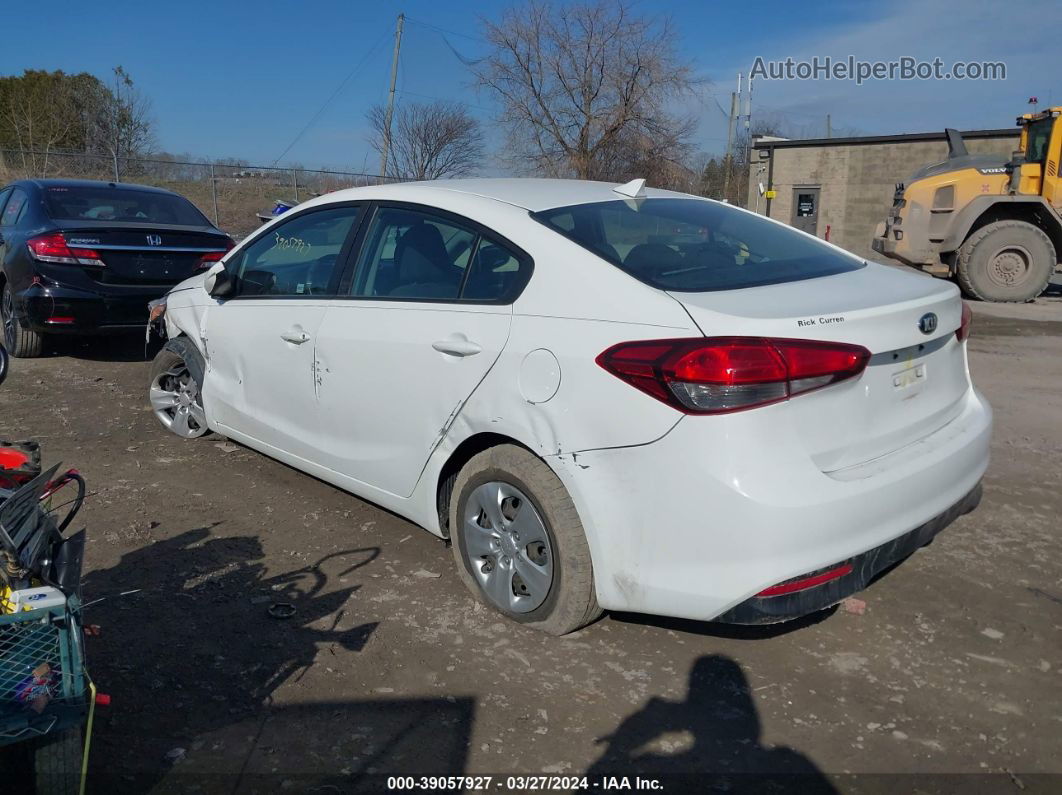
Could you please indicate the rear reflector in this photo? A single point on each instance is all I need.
(803, 583)
(716, 375)
(60, 320)
(963, 331)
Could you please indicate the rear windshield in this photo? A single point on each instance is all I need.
(79, 203)
(690, 245)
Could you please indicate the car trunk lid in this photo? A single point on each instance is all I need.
(144, 253)
(914, 382)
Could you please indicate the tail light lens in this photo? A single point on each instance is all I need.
(211, 257)
(716, 375)
(53, 248)
(963, 331)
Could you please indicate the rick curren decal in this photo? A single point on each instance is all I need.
(822, 320)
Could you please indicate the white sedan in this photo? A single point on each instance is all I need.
(606, 397)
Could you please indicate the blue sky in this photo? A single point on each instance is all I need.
(241, 79)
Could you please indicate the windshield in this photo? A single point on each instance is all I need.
(81, 203)
(693, 245)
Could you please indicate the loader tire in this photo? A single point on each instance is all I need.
(1006, 261)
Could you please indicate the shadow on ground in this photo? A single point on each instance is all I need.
(711, 741)
(200, 648)
(130, 347)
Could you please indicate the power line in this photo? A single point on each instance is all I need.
(437, 29)
(333, 95)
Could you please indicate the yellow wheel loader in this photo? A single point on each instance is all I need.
(993, 226)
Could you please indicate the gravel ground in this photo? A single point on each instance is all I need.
(952, 674)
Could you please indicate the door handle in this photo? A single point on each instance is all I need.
(295, 335)
(457, 347)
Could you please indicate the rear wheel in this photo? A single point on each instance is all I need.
(518, 542)
(57, 763)
(21, 342)
(175, 389)
(1006, 261)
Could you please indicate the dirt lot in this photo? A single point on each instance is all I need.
(390, 667)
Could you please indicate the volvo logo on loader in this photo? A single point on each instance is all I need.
(927, 324)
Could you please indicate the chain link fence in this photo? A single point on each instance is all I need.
(230, 194)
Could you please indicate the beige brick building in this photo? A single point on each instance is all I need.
(846, 185)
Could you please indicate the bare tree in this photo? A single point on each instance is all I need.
(587, 89)
(428, 141)
(123, 123)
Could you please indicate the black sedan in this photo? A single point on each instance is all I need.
(82, 257)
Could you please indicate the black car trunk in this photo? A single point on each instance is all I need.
(146, 254)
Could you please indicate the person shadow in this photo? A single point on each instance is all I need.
(198, 635)
(709, 742)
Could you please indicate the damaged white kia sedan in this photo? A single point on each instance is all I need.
(606, 397)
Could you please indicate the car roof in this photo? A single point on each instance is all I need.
(532, 194)
(91, 183)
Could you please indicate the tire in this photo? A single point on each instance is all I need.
(175, 389)
(529, 498)
(57, 763)
(22, 343)
(1008, 261)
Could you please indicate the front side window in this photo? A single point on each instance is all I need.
(103, 203)
(298, 258)
(692, 245)
(14, 207)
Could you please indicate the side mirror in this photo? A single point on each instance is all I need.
(218, 282)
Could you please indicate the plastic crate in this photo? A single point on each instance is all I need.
(43, 687)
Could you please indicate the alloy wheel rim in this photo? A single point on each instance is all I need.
(508, 547)
(7, 310)
(176, 401)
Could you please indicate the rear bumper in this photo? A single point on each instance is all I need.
(700, 521)
(864, 568)
(59, 309)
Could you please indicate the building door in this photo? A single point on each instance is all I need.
(806, 210)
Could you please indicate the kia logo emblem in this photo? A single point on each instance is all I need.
(154, 240)
(927, 324)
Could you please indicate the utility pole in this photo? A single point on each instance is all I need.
(730, 142)
(829, 127)
(748, 124)
(391, 97)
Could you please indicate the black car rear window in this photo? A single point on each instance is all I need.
(90, 203)
(692, 245)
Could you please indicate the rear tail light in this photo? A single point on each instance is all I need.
(53, 248)
(211, 257)
(963, 331)
(716, 375)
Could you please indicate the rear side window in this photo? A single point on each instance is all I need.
(411, 255)
(14, 207)
(90, 203)
(691, 245)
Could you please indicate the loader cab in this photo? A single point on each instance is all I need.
(1041, 140)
